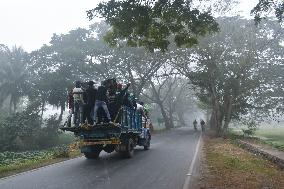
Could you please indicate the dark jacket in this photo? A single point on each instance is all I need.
(91, 95)
(120, 96)
(102, 94)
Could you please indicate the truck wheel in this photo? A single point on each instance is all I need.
(148, 142)
(92, 155)
(129, 153)
(109, 148)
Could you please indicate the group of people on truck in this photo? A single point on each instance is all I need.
(99, 104)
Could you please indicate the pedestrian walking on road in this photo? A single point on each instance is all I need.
(202, 124)
(195, 125)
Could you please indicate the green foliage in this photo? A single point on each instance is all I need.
(272, 136)
(149, 24)
(61, 152)
(8, 158)
(264, 8)
(13, 75)
(17, 131)
(24, 131)
(251, 127)
(232, 73)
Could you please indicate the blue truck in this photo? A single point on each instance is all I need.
(128, 131)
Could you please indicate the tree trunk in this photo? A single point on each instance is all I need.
(171, 113)
(168, 123)
(216, 118)
(62, 108)
(227, 112)
(181, 119)
(14, 106)
(208, 113)
(10, 106)
(42, 109)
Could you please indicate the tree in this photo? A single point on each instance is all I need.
(264, 8)
(13, 75)
(233, 71)
(54, 68)
(149, 24)
(127, 64)
(169, 90)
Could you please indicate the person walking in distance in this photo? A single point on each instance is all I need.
(195, 125)
(202, 124)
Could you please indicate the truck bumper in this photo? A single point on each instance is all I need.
(103, 142)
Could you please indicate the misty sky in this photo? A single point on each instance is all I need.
(31, 23)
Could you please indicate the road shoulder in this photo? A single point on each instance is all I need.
(226, 165)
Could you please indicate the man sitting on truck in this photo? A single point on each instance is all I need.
(101, 101)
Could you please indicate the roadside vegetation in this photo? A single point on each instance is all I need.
(16, 162)
(228, 166)
(266, 135)
(272, 136)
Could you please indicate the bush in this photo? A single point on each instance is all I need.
(250, 131)
(26, 131)
(61, 152)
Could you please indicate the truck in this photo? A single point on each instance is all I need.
(130, 129)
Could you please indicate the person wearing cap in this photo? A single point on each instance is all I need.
(78, 103)
(90, 101)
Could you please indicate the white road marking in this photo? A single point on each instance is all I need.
(190, 171)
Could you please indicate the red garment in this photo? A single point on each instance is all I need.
(70, 99)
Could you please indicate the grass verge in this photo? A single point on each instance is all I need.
(228, 166)
(273, 137)
(29, 164)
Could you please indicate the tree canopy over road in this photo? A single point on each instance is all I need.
(226, 65)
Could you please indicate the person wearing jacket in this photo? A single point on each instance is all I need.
(101, 102)
(90, 96)
(78, 96)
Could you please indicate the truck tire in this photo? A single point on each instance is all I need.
(147, 142)
(129, 153)
(93, 155)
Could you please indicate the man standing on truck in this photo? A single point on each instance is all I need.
(78, 103)
(117, 101)
(112, 98)
(101, 101)
(70, 106)
(90, 98)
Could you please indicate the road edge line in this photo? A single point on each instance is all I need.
(190, 170)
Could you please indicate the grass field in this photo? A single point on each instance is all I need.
(273, 136)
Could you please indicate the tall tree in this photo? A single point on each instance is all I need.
(13, 74)
(233, 71)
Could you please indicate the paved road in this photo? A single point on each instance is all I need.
(164, 166)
